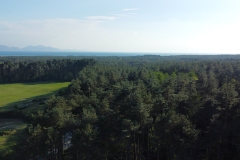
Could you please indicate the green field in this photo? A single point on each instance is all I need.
(17, 94)
(11, 94)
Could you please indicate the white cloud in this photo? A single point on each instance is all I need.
(109, 18)
(125, 15)
(131, 9)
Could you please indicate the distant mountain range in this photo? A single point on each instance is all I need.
(38, 48)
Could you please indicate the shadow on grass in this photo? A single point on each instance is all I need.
(42, 82)
(23, 108)
(14, 105)
(34, 83)
(10, 142)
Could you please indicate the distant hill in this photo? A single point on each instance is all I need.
(38, 48)
(6, 48)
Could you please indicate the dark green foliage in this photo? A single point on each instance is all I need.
(50, 70)
(146, 107)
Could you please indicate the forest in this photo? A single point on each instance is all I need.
(131, 108)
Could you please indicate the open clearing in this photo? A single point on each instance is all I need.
(11, 94)
(17, 94)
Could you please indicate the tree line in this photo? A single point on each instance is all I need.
(49, 70)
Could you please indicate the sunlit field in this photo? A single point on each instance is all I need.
(14, 93)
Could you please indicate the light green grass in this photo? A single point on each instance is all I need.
(15, 93)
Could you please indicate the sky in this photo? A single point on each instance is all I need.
(153, 26)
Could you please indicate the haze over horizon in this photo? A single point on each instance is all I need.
(166, 26)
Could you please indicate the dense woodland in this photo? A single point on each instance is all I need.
(144, 107)
(48, 70)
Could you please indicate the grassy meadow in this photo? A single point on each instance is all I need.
(17, 94)
(11, 94)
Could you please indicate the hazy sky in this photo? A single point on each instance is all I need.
(164, 26)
